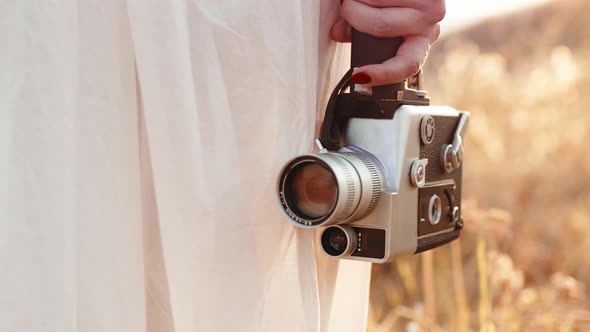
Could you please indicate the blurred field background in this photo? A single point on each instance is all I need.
(523, 262)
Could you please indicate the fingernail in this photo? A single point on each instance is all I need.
(360, 78)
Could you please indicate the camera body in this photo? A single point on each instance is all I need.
(410, 217)
(388, 177)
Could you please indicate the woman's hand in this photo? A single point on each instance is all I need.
(414, 20)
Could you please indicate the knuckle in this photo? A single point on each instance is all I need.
(437, 11)
(391, 77)
(372, 3)
(346, 11)
(436, 32)
(413, 66)
(381, 26)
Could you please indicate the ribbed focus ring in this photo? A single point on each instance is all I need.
(348, 185)
(371, 180)
(376, 184)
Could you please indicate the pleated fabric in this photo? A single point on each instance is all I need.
(140, 142)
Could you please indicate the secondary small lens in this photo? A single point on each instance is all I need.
(311, 189)
(334, 241)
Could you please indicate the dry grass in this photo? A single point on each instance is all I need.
(520, 264)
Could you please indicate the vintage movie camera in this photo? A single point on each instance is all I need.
(387, 179)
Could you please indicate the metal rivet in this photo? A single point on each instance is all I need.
(455, 214)
(418, 172)
(445, 160)
(400, 95)
(427, 129)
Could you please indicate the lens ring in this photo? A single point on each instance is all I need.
(370, 172)
(347, 192)
(311, 190)
(338, 240)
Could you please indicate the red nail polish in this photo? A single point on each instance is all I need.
(360, 78)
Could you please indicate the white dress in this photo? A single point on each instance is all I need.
(140, 142)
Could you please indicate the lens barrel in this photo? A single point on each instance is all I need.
(338, 240)
(330, 188)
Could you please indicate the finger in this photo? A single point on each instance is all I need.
(412, 54)
(385, 22)
(393, 3)
(433, 33)
(341, 31)
(407, 63)
(432, 7)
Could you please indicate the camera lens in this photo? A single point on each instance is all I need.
(330, 188)
(312, 190)
(338, 240)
